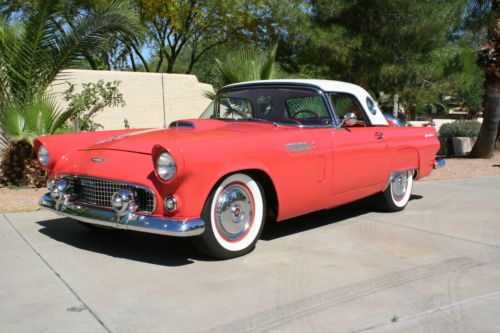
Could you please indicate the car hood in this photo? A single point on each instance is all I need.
(143, 141)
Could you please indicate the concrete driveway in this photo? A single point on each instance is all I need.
(433, 268)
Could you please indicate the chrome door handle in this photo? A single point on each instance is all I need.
(379, 135)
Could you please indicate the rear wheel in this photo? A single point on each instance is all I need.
(234, 217)
(397, 194)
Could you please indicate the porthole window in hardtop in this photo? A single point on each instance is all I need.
(371, 106)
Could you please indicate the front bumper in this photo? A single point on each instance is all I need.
(108, 218)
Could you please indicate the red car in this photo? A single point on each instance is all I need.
(262, 151)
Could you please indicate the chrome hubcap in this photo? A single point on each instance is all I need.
(399, 185)
(234, 212)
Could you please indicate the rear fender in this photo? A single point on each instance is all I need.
(405, 159)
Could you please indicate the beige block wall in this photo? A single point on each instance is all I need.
(142, 93)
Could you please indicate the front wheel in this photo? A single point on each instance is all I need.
(397, 194)
(234, 217)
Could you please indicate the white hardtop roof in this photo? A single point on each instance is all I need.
(326, 85)
(376, 117)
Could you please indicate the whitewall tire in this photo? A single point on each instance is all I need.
(398, 192)
(234, 216)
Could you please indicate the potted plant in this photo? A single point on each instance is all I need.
(458, 138)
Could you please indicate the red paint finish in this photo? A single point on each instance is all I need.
(310, 168)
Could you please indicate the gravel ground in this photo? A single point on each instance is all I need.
(457, 168)
(20, 199)
(24, 200)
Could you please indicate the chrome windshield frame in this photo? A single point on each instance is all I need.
(334, 121)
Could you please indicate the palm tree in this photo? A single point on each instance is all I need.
(489, 61)
(32, 53)
(247, 65)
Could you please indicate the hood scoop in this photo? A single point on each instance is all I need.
(182, 124)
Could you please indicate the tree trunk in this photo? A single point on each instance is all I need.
(489, 61)
(485, 144)
(171, 63)
(132, 61)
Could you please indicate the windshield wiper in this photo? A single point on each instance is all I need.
(257, 120)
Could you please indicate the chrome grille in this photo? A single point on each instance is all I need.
(98, 192)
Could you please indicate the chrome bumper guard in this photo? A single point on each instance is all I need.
(109, 218)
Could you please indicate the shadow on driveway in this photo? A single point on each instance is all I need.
(323, 217)
(173, 251)
(137, 246)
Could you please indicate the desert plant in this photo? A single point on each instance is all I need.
(41, 116)
(460, 129)
(89, 101)
(33, 51)
(245, 65)
(19, 166)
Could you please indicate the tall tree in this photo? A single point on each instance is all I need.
(489, 61)
(396, 46)
(197, 26)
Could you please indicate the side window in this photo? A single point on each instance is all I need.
(345, 103)
(308, 110)
(235, 108)
(264, 106)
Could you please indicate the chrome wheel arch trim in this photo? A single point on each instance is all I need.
(390, 178)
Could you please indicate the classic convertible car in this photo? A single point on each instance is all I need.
(262, 151)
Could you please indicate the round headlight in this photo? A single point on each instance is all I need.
(43, 155)
(165, 166)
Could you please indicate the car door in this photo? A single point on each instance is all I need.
(360, 154)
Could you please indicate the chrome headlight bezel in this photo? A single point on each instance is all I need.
(43, 156)
(165, 166)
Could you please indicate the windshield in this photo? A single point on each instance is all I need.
(278, 105)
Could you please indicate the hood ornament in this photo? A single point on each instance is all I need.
(97, 159)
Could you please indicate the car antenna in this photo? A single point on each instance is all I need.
(163, 99)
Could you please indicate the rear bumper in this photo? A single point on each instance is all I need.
(108, 218)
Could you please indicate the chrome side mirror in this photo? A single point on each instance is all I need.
(350, 119)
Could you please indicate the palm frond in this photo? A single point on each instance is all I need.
(88, 32)
(246, 65)
(45, 44)
(42, 116)
(14, 124)
(268, 63)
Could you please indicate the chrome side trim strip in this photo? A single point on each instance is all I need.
(143, 223)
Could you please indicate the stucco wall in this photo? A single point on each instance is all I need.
(142, 93)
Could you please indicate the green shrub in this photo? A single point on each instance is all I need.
(460, 129)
